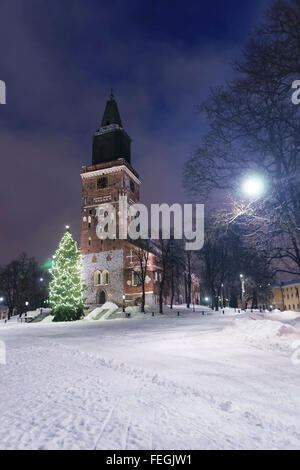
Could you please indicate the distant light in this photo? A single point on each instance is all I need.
(47, 264)
(241, 276)
(41, 279)
(206, 299)
(123, 296)
(67, 227)
(1, 299)
(26, 303)
(253, 186)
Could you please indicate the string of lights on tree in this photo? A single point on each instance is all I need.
(66, 289)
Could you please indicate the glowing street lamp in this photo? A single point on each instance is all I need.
(222, 295)
(243, 289)
(253, 186)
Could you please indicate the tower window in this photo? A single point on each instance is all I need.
(132, 186)
(102, 182)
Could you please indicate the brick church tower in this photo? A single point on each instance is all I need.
(109, 266)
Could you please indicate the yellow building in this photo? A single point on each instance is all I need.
(286, 296)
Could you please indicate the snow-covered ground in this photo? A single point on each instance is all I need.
(192, 381)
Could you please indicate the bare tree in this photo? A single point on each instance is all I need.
(255, 128)
(227, 254)
(163, 259)
(142, 255)
(176, 268)
(20, 283)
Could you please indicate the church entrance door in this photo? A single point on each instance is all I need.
(101, 297)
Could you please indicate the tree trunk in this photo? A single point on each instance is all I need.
(172, 287)
(143, 298)
(161, 300)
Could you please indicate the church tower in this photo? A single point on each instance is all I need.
(108, 265)
(111, 142)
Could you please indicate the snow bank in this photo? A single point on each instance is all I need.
(103, 312)
(48, 319)
(36, 313)
(281, 316)
(263, 331)
(133, 309)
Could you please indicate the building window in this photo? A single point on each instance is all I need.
(97, 278)
(105, 278)
(132, 186)
(136, 278)
(102, 182)
(101, 278)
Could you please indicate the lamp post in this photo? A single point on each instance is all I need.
(222, 295)
(124, 303)
(26, 305)
(243, 289)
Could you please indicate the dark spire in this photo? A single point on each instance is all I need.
(111, 142)
(111, 114)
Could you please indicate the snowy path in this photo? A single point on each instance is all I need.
(161, 383)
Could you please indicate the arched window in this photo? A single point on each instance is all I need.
(105, 278)
(97, 278)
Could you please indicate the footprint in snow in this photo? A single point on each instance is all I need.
(226, 406)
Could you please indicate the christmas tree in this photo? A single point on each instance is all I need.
(66, 288)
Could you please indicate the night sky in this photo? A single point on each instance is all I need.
(60, 58)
